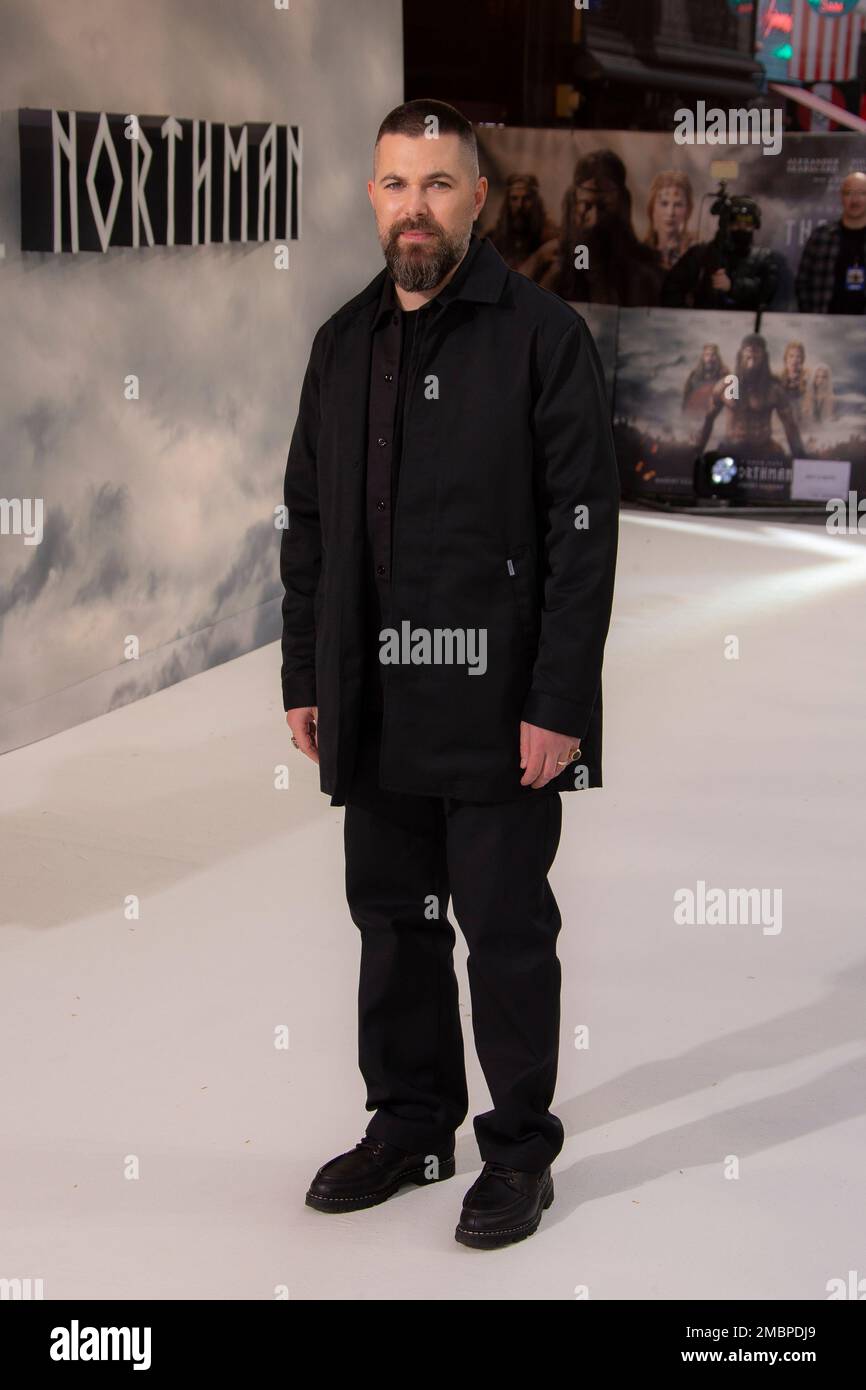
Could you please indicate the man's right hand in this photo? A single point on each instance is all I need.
(303, 724)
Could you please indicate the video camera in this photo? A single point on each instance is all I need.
(736, 211)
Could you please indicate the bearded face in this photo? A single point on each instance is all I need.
(420, 262)
(597, 203)
(753, 365)
(425, 194)
(521, 205)
(710, 361)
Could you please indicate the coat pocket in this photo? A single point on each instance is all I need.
(521, 575)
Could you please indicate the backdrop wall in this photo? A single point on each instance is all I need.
(158, 512)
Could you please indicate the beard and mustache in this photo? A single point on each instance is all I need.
(757, 377)
(421, 266)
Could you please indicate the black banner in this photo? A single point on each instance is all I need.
(91, 181)
(233, 1338)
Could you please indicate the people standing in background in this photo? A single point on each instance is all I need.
(729, 272)
(831, 278)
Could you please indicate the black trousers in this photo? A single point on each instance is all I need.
(406, 856)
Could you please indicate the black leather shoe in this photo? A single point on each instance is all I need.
(503, 1205)
(371, 1173)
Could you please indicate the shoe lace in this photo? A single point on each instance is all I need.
(376, 1146)
(500, 1169)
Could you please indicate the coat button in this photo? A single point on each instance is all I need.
(380, 569)
(380, 505)
(389, 376)
(381, 442)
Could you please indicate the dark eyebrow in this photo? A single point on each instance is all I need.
(436, 174)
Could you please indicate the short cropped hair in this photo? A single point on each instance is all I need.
(413, 118)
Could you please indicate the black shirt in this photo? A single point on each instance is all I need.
(849, 295)
(398, 349)
(390, 367)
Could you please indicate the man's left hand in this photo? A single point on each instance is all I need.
(543, 754)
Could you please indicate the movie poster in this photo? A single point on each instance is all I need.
(691, 383)
(658, 206)
(601, 320)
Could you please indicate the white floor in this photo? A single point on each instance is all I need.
(147, 1046)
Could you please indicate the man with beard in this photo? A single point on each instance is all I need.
(720, 275)
(831, 277)
(748, 425)
(598, 258)
(451, 479)
(522, 225)
(701, 380)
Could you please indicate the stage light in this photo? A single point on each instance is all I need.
(716, 475)
(724, 470)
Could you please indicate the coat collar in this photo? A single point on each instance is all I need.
(480, 277)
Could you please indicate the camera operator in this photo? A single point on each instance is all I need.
(727, 272)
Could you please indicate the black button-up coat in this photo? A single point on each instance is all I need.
(505, 526)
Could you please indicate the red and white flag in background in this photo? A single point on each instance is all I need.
(825, 47)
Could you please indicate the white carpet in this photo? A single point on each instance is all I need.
(152, 1040)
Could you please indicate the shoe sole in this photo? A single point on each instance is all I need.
(492, 1240)
(415, 1176)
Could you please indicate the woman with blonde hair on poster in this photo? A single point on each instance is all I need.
(669, 208)
(822, 399)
